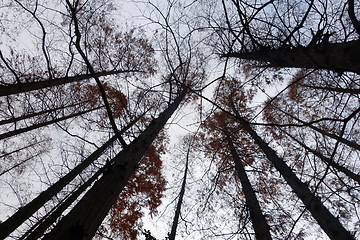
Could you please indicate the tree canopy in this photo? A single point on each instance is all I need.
(231, 119)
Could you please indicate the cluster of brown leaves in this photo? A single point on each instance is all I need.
(143, 191)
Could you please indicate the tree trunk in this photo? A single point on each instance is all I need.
(261, 228)
(327, 160)
(336, 137)
(38, 230)
(331, 225)
(354, 91)
(31, 86)
(43, 124)
(30, 115)
(84, 219)
(20, 149)
(338, 57)
(325, 133)
(25, 212)
(180, 201)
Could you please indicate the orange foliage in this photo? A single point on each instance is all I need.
(232, 96)
(90, 97)
(117, 99)
(217, 128)
(91, 94)
(144, 190)
(294, 90)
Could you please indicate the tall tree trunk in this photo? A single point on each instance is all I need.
(336, 137)
(19, 164)
(261, 228)
(326, 133)
(25, 212)
(6, 90)
(331, 225)
(334, 89)
(43, 124)
(180, 201)
(84, 219)
(35, 114)
(327, 160)
(38, 230)
(339, 57)
(20, 149)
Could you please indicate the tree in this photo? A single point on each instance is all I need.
(261, 32)
(281, 35)
(144, 190)
(20, 216)
(222, 130)
(175, 221)
(316, 119)
(331, 225)
(43, 83)
(262, 230)
(84, 105)
(101, 196)
(311, 202)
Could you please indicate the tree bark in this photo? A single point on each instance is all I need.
(327, 160)
(31, 86)
(180, 201)
(261, 228)
(84, 219)
(35, 114)
(331, 225)
(325, 133)
(338, 57)
(38, 231)
(25, 212)
(43, 124)
(333, 89)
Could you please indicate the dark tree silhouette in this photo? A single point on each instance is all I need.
(84, 106)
